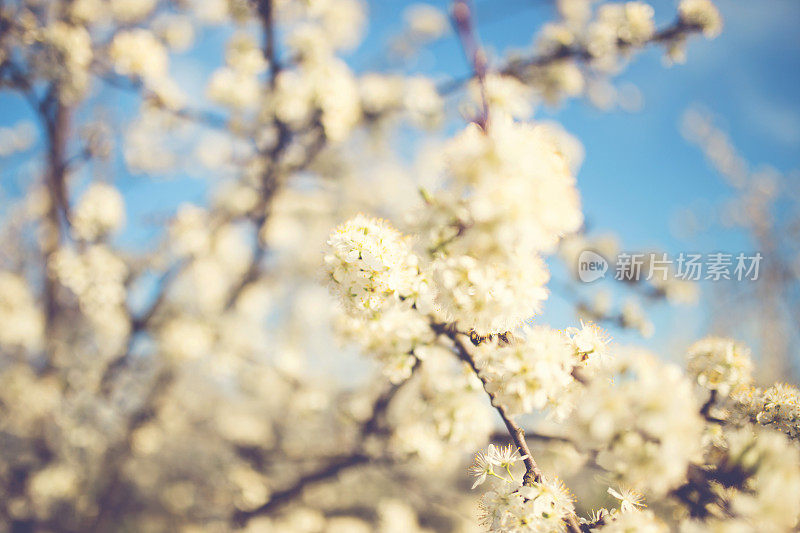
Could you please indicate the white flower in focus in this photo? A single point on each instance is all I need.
(482, 466)
(590, 343)
(501, 507)
(629, 499)
(547, 504)
(370, 266)
(779, 407)
(490, 297)
(530, 373)
(505, 456)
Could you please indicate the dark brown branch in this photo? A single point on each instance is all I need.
(267, 15)
(517, 434)
(371, 426)
(533, 473)
(55, 117)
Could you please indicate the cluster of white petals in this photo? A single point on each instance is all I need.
(504, 458)
(642, 418)
(512, 197)
(96, 276)
(371, 267)
(504, 94)
(771, 464)
(538, 508)
(23, 322)
(516, 189)
(237, 85)
(70, 55)
(702, 13)
(138, 52)
(531, 373)
(778, 407)
(100, 211)
(397, 338)
(490, 297)
(720, 364)
(439, 411)
(630, 23)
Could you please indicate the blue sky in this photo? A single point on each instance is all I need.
(638, 174)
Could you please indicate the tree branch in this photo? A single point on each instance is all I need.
(371, 426)
(516, 67)
(533, 473)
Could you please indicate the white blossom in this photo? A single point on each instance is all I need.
(371, 267)
(531, 373)
(702, 13)
(100, 211)
(720, 364)
(139, 53)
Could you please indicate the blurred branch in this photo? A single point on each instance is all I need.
(467, 33)
(55, 118)
(267, 15)
(371, 426)
(111, 494)
(517, 67)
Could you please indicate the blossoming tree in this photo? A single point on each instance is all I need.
(188, 386)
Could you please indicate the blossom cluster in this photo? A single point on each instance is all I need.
(188, 387)
(511, 197)
(644, 425)
(372, 268)
(510, 506)
(535, 372)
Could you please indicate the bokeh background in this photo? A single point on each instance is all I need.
(641, 179)
(213, 404)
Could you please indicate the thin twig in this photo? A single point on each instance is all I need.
(465, 27)
(516, 67)
(533, 473)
